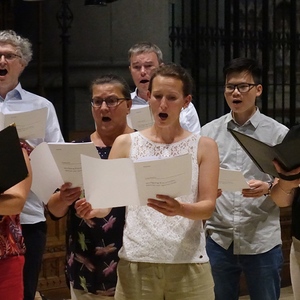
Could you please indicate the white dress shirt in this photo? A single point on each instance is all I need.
(21, 100)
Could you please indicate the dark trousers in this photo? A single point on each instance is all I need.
(35, 241)
(262, 272)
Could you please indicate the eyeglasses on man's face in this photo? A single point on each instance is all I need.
(111, 101)
(241, 87)
(9, 56)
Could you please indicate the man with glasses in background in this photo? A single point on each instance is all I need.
(243, 234)
(15, 54)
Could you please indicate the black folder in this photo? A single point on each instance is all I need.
(13, 166)
(287, 153)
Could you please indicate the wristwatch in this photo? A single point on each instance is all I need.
(270, 183)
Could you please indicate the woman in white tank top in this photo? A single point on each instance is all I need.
(163, 254)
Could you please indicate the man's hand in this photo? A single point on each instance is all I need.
(257, 188)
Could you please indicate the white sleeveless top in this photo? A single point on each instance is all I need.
(150, 236)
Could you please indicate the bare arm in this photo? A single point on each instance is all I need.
(60, 201)
(13, 199)
(282, 192)
(121, 147)
(208, 160)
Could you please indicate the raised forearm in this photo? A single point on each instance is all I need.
(57, 206)
(282, 192)
(195, 211)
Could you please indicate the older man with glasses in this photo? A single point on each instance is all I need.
(15, 54)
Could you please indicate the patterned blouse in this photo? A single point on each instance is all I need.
(11, 239)
(92, 247)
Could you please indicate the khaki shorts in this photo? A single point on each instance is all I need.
(148, 281)
(295, 267)
(82, 295)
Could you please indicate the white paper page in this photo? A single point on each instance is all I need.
(109, 182)
(166, 176)
(115, 182)
(140, 117)
(46, 177)
(232, 180)
(68, 160)
(30, 124)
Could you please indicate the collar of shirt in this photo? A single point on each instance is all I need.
(15, 94)
(134, 93)
(254, 120)
(136, 100)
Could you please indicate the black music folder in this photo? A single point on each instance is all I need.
(13, 166)
(287, 153)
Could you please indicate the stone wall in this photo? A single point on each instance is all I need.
(98, 40)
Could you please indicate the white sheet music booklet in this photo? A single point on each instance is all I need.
(30, 124)
(122, 182)
(56, 163)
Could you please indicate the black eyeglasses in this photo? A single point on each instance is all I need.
(242, 87)
(9, 56)
(111, 101)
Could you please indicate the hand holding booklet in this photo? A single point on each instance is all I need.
(287, 153)
(53, 164)
(232, 180)
(122, 182)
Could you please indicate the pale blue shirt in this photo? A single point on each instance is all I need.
(188, 118)
(20, 100)
(252, 224)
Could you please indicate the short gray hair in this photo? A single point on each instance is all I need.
(23, 45)
(145, 47)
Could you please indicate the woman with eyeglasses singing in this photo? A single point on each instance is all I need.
(93, 245)
(163, 254)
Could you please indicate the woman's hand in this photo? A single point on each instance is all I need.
(166, 205)
(69, 194)
(85, 211)
(59, 202)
